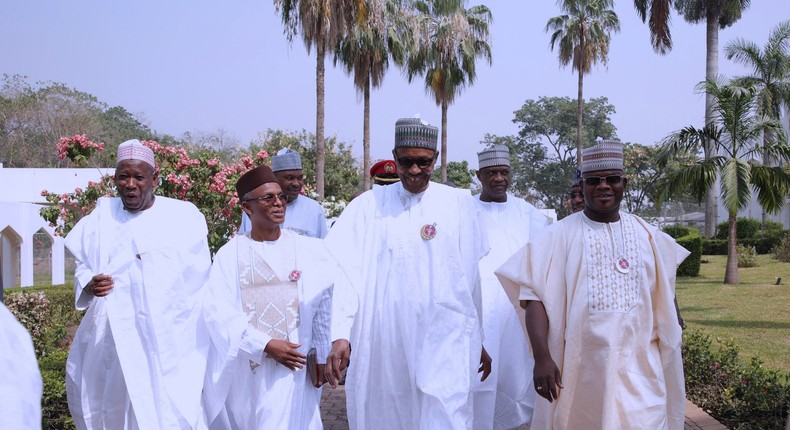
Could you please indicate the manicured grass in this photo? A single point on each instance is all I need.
(755, 313)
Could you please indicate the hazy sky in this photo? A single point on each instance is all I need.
(202, 65)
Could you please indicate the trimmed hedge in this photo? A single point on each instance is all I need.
(740, 396)
(764, 245)
(54, 406)
(690, 239)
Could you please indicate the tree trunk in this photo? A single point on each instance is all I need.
(731, 271)
(444, 141)
(320, 149)
(711, 71)
(579, 110)
(366, 137)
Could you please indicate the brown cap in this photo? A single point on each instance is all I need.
(254, 179)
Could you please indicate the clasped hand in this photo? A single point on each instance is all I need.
(285, 353)
(99, 285)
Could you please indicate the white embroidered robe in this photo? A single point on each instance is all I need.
(20, 379)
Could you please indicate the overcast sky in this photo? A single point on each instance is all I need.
(199, 65)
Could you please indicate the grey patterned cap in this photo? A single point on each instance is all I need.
(495, 155)
(415, 133)
(286, 159)
(606, 155)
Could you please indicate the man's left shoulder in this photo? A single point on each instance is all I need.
(312, 204)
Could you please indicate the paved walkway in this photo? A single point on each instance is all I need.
(333, 412)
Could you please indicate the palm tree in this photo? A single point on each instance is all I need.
(656, 13)
(365, 52)
(770, 70)
(450, 40)
(583, 34)
(322, 24)
(770, 73)
(736, 141)
(716, 14)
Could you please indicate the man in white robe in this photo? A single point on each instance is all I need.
(269, 305)
(139, 354)
(505, 399)
(20, 379)
(602, 324)
(411, 308)
(305, 216)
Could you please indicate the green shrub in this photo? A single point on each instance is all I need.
(740, 396)
(747, 256)
(714, 246)
(782, 250)
(690, 239)
(54, 406)
(747, 228)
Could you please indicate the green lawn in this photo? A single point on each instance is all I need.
(756, 313)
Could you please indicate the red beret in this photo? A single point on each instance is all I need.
(384, 168)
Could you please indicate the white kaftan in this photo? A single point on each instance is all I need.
(505, 399)
(304, 216)
(614, 336)
(139, 354)
(271, 396)
(20, 379)
(411, 308)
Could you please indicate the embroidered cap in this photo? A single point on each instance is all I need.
(134, 150)
(415, 133)
(254, 179)
(286, 159)
(606, 155)
(495, 155)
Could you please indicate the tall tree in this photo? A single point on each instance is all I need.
(770, 68)
(365, 52)
(321, 23)
(451, 38)
(716, 14)
(736, 136)
(582, 36)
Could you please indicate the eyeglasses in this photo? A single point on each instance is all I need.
(268, 199)
(422, 162)
(596, 180)
(576, 195)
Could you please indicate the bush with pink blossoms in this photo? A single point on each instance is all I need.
(78, 149)
(192, 174)
(30, 309)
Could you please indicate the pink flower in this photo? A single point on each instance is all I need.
(262, 154)
(44, 193)
(213, 162)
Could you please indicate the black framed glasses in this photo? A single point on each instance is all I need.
(268, 199)
(596, 180)
(422, 162)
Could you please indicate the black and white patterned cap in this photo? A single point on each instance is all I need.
(415, 133)
(495, 155)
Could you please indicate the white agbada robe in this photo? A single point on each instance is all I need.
(411, 308)
(303, 215)
(139, 355)
(271, 396)
(615, 337)
(20, 379)
(506, 398)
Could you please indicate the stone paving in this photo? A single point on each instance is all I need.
(333, 412)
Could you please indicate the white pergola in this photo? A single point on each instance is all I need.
(20, 221)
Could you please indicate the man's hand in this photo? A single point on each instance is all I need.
(100, 285)
(337, 360)
(285, 353)
(547, 379)
(485, 364)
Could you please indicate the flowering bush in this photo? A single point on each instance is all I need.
(747, 256)
(30, 309)
(193, 174)
(78, 149)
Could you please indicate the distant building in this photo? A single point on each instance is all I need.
(30, 252)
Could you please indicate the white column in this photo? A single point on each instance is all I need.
(58, 261)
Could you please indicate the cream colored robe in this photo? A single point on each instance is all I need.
(614, 337)
(20, 379)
